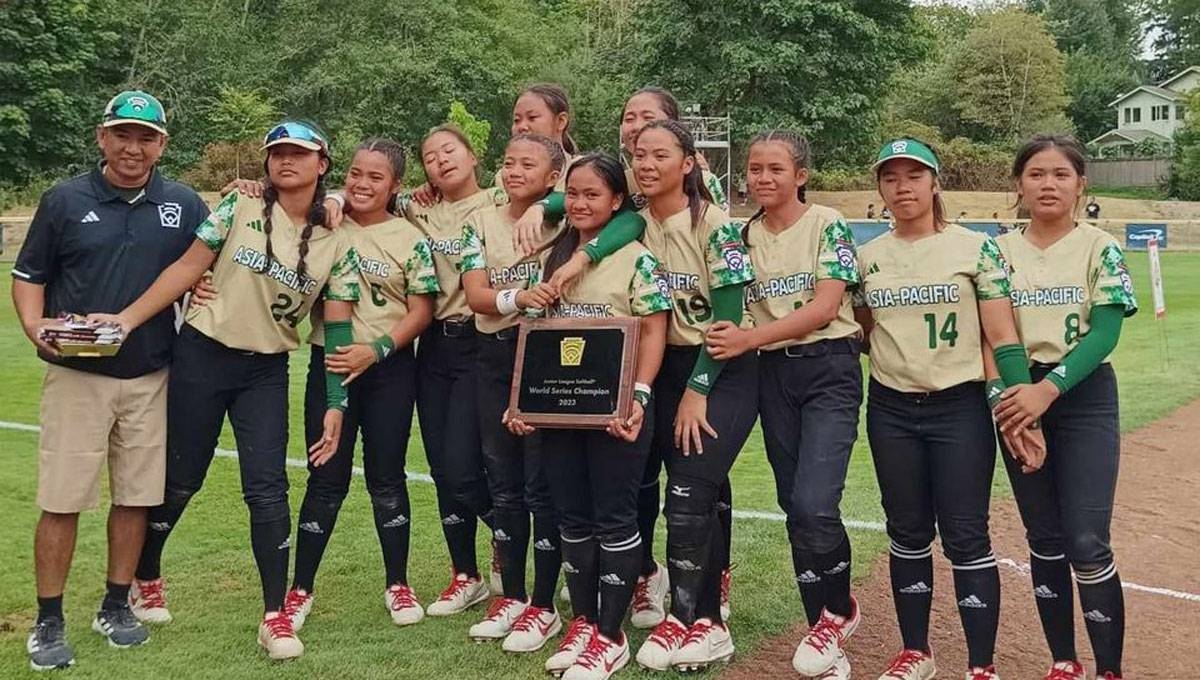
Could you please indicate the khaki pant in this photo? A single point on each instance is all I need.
(87, 419)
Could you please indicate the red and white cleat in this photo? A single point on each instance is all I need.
(148, 600)
(819, 649)
(982, 673)
(501, 616)
(463, 593)
(600, 660)
(579, 633)
(910, 664)
(1066, 670)
(657, 653)
(277, 636)
(649, 606)
(402, 603)
(706, 643)
(840, 670)
(532, 630)
(296, 606)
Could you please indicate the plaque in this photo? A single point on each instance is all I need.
(574, 373)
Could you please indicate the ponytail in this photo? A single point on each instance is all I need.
(698, 195)
(800, 151)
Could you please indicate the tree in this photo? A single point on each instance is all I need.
(1178, 26)
(1009, 78)
(240, 114)
(1184, 182)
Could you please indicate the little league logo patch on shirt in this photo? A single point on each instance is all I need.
(845, 253)
(732, 253)
(169, 215)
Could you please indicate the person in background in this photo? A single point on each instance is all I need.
(1092, 210)
(870, 211)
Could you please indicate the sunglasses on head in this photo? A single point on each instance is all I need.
(295, 131)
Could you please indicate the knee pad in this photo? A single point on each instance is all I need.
(388, 502)
(688, 497)
(688, 529)
(176, 498)
(268, 510)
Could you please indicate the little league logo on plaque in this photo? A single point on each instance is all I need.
(575, 373)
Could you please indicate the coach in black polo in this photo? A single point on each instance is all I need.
(96, 243)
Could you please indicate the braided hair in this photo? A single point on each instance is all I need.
(316, 216)
(612, 173)
(698, 195)
(797, 145)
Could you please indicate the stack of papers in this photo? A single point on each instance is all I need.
(74, 335)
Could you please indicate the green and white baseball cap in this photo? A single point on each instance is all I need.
(134, 107)
(908, 148)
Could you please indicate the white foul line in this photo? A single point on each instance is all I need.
(877, 527)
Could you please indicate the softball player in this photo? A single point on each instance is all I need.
(231, 357)
(927, 287)
(1071, 290)
(494, 275)
(810, 381)
(707, 269)
(594, 475)
(446, 366)
(397, 275)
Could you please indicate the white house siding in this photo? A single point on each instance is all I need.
(1146, 101)
(1188, 82)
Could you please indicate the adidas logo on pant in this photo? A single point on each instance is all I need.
(684, 565)
(569, 568)
(160, 526)
(1097, 616)
(311, 527)
(841, 566)
(808, 577)
(918, 588)
(395, 522)
(1044, 593)
(287, 543)
(544, 545)
(972, 602)
(499, 535)
(612, 580)
(451, 520)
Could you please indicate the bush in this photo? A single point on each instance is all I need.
(971, 166)
(223, 161)
(1184, 183)
(840, 179)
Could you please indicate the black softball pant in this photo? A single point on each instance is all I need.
(448, 415)
(695, 541)
(209, 380)
(380, 404)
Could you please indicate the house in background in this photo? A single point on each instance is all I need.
(1152, 112)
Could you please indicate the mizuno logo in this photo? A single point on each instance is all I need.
(972, 602)
(808, 577)
(612, 580)
(684, 565)
(917, 588)
(1044, 593)
(543, 544)
(90, 217)
(1097, 616)
(160, 526)
(311, 527)
(451, 520)
(681, 491)
(395, 522)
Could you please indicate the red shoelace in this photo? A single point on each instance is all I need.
(151, 594)
(903, 663)
(593, 655)
(824, 634)
(697, 632)
(528, 619)
(499, 605)
(401, 597)
(578, 628)
(280, 627)
(457, 585)
(1057, 673)
(641, 595)
(981, 673)
(292, 604)
(668, 634)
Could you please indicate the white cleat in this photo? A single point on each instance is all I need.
(819, 649)
(532, 630)
(277, 636)
(1066, 670)
(402, 603)
(649, 606)
(910, 664)
(463, 593)
(501, 616)
(148, 600)
(579, 633)
(706, 643)
(658, 651)
(981, 673)
(297, 606)
(600, 660)
(840, 670)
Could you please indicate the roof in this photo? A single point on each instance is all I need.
(1177, 76)
(1131, 135)
(1169, 95)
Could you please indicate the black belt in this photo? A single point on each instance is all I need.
(455, 328)
(819, 348)
(504, 334)
(952, 393)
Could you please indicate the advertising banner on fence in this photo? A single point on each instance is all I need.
(1137, 236)
(1156, 280)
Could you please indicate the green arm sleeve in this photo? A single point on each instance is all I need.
(726, 306)
(556, 206)
(337, 334)
(624, 228)
(1092, 350)
(1013, 364)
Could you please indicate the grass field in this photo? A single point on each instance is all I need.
(214, 586)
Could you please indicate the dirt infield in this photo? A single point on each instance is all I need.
(1156, 540)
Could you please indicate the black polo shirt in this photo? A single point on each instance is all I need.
(96, 252)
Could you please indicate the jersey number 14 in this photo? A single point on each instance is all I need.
(948, 333)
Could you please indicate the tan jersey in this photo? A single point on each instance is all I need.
(442, 225)
(259, 304)
(788, 265)
(711, 182)
(560, 185)
(712, 255)
(924, 297)
(487, 246)
(394, 261)
(1054, 290)
(630, 282)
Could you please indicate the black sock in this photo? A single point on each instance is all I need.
(619, 566)
(648, 508)
(547, 559)
(314, 527)
(1055, 604)
(718, 562)
(977, 588)
(393, 525)
(49, 607)
(1103, 606)
(458, 526)
(580, 566)
(116, 597)
(161, 520)
(512, 542)
(808, 580)
(689, 543)
(725, 518)
(834, 567)
(912, 591)
(269, 541)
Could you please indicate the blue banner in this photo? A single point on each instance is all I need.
(867, 230)
(1138, 235)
